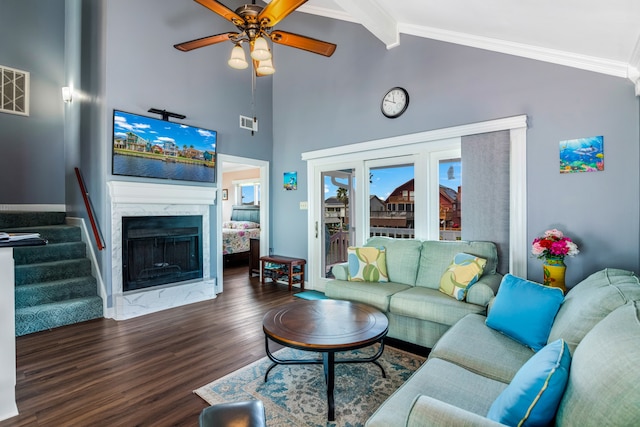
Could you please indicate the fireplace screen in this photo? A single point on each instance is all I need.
(157, 250)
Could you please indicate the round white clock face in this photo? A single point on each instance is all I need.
(395, 102)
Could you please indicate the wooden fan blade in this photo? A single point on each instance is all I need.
(222, 10)
(204, 41)
(277, 10)
(303, 42)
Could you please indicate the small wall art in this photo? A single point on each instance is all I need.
(225, 194)
(291, 180)
(582, 155)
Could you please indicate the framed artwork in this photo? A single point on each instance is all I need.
(225, 194)
(582, 155)
(291, 180)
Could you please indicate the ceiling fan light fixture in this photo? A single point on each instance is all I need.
(260, 51)
(238, 59)
(265, 67)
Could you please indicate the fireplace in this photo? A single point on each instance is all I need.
(158, 250)
(145, 199)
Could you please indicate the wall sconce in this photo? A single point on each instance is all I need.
(67, 94)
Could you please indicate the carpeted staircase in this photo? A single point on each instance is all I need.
(54, 285)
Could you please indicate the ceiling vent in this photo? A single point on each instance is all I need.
(249, 123)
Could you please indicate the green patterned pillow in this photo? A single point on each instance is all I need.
(464, 271)
(367, 264)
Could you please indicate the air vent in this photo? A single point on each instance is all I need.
(249, 123)
(14, 91)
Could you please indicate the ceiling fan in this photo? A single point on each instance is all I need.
(255, 24)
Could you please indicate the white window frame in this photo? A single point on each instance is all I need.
(438, 143)
(246, 183)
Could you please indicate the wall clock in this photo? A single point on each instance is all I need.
(395, 102)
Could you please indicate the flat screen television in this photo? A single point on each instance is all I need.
(154, 148)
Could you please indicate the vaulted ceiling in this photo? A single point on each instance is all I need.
(596, 35)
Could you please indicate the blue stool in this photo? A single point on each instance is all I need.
(236, 414)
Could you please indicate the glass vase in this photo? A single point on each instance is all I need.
(554, 269)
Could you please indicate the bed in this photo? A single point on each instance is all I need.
(236, 234)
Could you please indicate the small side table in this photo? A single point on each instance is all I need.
(279, 266)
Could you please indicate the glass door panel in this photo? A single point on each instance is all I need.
(450, 201)
(338, 221)
(392, 201)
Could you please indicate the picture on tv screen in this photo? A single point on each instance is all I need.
(154, 148)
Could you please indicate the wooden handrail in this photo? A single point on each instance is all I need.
(89, 206)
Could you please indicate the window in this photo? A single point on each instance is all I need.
(247, 192)
(428, 152)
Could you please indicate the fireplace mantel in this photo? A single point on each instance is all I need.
(170, 194)
(151, 199)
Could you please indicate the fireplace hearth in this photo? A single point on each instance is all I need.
(160, 250)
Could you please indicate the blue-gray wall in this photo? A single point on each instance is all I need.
(32, 150)
(321, 103)
(128, 62)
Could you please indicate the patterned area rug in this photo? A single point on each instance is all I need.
(295, 395)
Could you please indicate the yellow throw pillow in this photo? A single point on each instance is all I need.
(367, 264)
(464, 271)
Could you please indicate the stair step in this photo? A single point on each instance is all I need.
(14, 219)
(51, 252)
(51, 233)
(49, 316)
(49, 271)
(55, 291)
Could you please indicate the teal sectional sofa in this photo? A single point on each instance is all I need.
(473, 366)
(418, 312)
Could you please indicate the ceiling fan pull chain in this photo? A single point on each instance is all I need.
(253, 98)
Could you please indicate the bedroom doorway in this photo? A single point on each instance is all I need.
(242, 212)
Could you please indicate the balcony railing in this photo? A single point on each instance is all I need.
(339, 241)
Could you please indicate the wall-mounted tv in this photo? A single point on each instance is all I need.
(153, 148)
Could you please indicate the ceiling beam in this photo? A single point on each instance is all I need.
(374, 18)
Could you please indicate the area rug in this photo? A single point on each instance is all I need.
(311, 295)
(295, 395)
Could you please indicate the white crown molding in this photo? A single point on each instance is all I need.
(634, 67)
(584, 62)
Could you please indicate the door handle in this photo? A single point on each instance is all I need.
(316, 229)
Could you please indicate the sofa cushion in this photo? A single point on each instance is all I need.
(367, 264)
(403, 257)
(525, 310)
(532, 398)
(462, 273)
(431, 304)
(603, 387)
(436, 256)
(375, 294)
(591, 301)
(441, 380)
(472, 345)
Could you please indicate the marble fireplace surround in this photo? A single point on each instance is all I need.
(150, 199)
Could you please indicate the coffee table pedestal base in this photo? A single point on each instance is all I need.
(328, 361)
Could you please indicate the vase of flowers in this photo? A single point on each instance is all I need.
(553, 247)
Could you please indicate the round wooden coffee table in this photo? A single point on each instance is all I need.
(327, 327)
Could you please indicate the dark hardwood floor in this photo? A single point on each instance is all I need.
(142, 371)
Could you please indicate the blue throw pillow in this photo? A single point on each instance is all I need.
(536, 390)
(525, 310)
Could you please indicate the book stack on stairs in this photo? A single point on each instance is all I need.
(53, 282)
